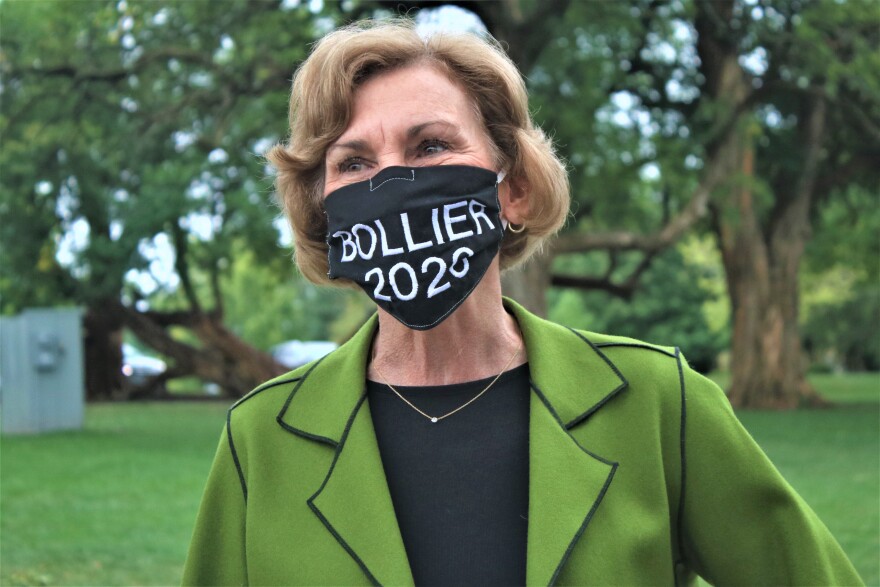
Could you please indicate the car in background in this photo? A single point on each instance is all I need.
(295, 353)
(138, 367)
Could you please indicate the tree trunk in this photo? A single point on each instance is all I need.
(768, 362)
(103, 352)
(243, 366)
(223, 358)
(761, 260)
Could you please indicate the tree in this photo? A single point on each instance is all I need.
(666, 111)
(815, 80)
(130, 127)
(666, 308)
(841, 283)
(742, 93)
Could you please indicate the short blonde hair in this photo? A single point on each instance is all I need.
(321, 103)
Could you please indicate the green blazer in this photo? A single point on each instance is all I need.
(639, 474)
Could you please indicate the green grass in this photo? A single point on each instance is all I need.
(832, 458)
(115, 504)
(836, 387)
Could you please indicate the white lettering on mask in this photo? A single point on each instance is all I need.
(349, 251)
(450, 220)
(410, 245)
(386, 250)
(438, 284)
(362, 240)
(354, 231)
(478, 210)
(435, 221)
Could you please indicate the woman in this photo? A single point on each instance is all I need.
(457, 438)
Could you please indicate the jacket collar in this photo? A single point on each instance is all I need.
(570, 380)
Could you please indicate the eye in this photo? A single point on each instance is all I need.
(430, 147)
(351, 165)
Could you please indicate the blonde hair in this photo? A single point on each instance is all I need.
(321, 105)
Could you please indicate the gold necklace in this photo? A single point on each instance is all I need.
(436, 419)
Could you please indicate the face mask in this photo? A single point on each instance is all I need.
(416, 239)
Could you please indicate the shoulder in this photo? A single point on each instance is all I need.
(608, 341)
(654, 374)
(633, 368)
(268, 399)
(659, 370)
(633, 356)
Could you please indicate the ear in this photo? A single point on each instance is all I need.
(513, 193)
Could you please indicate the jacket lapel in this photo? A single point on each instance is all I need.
(570, 380)
(355, 505)
(353, 502)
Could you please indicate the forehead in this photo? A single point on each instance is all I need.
(408, 96)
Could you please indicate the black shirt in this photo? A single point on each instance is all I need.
(459, 486)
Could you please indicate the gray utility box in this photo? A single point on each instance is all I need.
(41, 371)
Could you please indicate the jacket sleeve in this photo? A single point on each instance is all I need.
(742, 523)
(217, 551)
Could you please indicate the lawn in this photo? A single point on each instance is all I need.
(114, 504)
(111, 505)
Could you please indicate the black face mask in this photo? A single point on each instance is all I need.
(416, 239)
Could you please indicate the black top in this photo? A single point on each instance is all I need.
(460, 485)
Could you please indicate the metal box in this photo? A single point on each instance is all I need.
(42, 385)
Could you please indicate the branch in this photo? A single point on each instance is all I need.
(613, 258)
(842, 174)
(154, 334)
(720, 153)
(181, 265)
(624, 290)
(116, 75)
(164, 319)
(868, 124)
(171, 113)
(545, 10)
(534, 33)
(813, 135)
(658, 72)
(215, 291)
(523, 35)
(649, 243)
(592, 283)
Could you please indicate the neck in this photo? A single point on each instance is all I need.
(475, 342)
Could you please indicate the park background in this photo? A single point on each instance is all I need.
(723, 161)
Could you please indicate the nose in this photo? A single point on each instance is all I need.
(388, 174)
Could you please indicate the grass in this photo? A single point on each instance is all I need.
(114, 504)
(837, 387)
(832, 457)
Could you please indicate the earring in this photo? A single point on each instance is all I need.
(521, 228)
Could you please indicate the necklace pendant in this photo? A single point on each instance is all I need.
(434, 420)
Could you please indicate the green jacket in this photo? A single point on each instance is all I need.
(639, 474)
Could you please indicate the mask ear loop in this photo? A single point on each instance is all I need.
(504, 222)
(500, 178)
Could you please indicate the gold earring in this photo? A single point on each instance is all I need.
(521, 228)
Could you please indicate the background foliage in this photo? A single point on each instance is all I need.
(133, 135)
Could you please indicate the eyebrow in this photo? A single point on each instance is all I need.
(356, 145)
(361, 145)
(417, 129)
